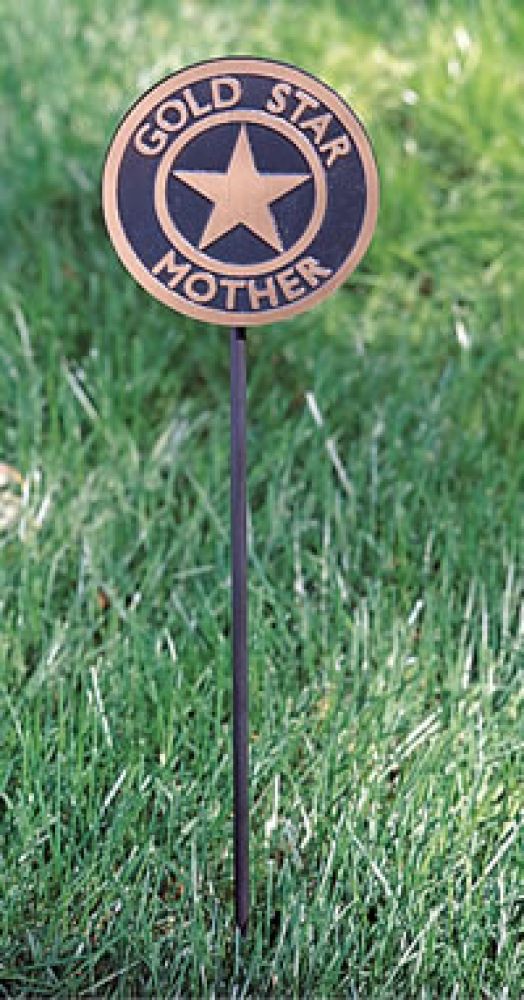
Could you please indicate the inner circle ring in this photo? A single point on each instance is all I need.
(243, 117)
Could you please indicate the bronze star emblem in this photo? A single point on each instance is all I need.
(241, 196)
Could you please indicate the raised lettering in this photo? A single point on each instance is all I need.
(155, 143)
(335, 148)
(168, 263)
(196, 109)
(199, 278)
(318, 126)
(311, 271)
(167, 123)
(277, 102)
(219, 91)
(268, 291)
(304, 101)
(232, 286)
(290, 284)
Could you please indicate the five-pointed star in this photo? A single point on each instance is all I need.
(241, 196)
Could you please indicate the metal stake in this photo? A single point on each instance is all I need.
(239, 624)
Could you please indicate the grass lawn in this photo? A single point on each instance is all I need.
(386, 586)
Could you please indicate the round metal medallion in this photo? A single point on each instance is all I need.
(240, 191)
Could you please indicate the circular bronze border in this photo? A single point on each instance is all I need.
(224, 118)
(184, 78)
